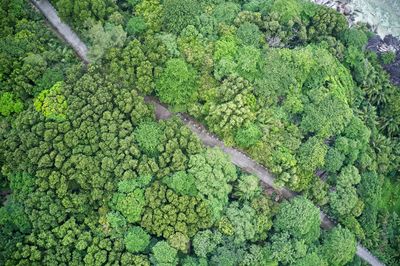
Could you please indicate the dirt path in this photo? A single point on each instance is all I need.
(238, 158)
(63, 29)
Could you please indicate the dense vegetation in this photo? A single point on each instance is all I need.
(96, 180)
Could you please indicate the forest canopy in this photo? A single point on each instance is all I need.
(89, 176)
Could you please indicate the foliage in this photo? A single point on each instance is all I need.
(299, 218)
(164, 254)
(312, 154)
(339, 246)
(182, 183)
(213, 172)
(9, 105)
(80, 11)
(195, 48)
(51, 103)
(345, 199)
(150, 10)
(179, 14)
(327, 22)
(205, 242)
(136, 240)
(355, 37)
(136, 26)
(130, 202)
(234, 108)
(388, 57)
(243, 224)
(326, 115)
(247, 187)
(177, 85)
(285, 249)
(149, 137)
(225, 12)
(167, 214)
(103, 38)
(311, 259)
(95, 180)
(248, 136)
(249, 34)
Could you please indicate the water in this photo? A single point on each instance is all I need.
(384, 14)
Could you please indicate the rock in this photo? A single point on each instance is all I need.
(347, 10)
(392, 41)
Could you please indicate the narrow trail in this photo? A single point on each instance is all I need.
(162, 112)
(62, 29)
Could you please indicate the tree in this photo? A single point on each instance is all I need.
(129, 204)
(248, 187)
(103, 38)
(249, 34)
(80, 11)
(167, 214)
(241, 222)
(164, 254)
(311, 259)
(196, 48)
(348, 176)
(177, 84)
(288, 10)
(178, 14)
(248, 135)
(182, 183)
(136, 26)
(326, 22)
(248, 60)
(193, 261)
(179, 241)
(345, 200)
(226, 12)
(334, 160)
(257, 255)
(149, 137)
(326, 115)
(213, 172)
(52, 103)
(311, 155)
(136, 240)
(225, 255)
(9, 105)
(150, 10)
(226, 118)
(339, 246)
(117, 223)
(370, 190)
(299, 218)
(130, 200)
(388, 57)
(284, 249)
(205, 242)
(354, 37)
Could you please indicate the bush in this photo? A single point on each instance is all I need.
(388, 57)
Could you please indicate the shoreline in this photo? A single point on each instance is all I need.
(378, 43)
